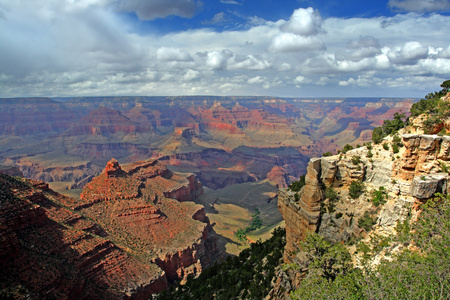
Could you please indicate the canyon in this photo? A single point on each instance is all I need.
(218, 138)
(132, 231)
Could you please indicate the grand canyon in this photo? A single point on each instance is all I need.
(132, 194)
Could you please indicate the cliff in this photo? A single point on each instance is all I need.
(124, 238)
(49, 251)
(328, 205)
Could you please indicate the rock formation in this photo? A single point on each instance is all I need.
(408, 178)
(123, 238)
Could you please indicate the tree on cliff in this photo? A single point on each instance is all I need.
(421, 273)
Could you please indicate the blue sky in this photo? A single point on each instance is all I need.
(391, 48)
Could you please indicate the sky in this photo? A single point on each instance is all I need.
(298, 48)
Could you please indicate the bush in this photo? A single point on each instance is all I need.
(379, 197)
(330, 194)
(385, 146)
(356, 160)
(327, 154)
(355, 189)
(395, 148)
(347, 148)
(369, 154)
(297, 185)
(366, 222)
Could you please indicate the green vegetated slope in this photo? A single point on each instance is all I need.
(422, 271)
(247, 276)
(230, 210)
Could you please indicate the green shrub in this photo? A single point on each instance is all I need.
(347, 148)
(297, 185)
(327, 154)
(355, 189)
(379, 197)
(330, 194)
(395, 148)
(385, 146)
(366, 222)
(356, 159)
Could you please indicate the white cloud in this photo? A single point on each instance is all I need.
(290, 42)
(172, 54)
(153, 9)
(191, 75)
(304, 21)
(420, 5)
(409, 54)
(256, 80)
(66, 47)
(217, 60)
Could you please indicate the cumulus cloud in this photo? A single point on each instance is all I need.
(304, 21)
(148, 10)
(84, 47)
(217, 60)
(420, 5)
(409, 54)
(299, 33)
(172, 54)
(290, 42)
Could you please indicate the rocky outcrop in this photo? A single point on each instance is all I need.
(122, 239)
(145, 206)
(10, 170)
(407, 179)
(52, 252)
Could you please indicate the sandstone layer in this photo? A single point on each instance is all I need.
(407, 178)
(123, 238)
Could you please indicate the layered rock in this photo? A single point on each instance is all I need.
(143, 205)
(53, 252)
(408, 178)
(122, 238)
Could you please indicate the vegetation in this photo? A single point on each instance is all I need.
(347, 148)
(355, 189)
(379, 197)
(422, 273)
(297, 185)
(433, 107)
(327, 154)
(241, 233)
(246, 276)
(356, 159)
(389, 127)
(366, 222)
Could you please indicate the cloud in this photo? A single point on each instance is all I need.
(409, 54)
(85, 47)
(230, 2)
(290, 42)
(298, 34)
(172, 54)
(217, 60)
(153, 9)
(304, 22)
(420, 5)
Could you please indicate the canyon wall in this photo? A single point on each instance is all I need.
(408, 178)
(124, 238)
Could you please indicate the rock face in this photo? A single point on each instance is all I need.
(408, 178)
(10, 170)
(53, 252)
(123, 238)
